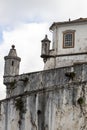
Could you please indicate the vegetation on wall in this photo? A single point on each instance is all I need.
(20, 106)
(12, 85)
(70, 75)
(25, 80)
(80, 101)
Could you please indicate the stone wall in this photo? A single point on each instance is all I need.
(48, 100)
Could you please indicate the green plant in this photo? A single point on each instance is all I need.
(25, 80)
(71, 75)
(19, 104)
(12, 85)
(80, 100)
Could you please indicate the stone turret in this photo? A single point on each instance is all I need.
(45, 48)
(12, 62)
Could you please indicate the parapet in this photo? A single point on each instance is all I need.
(46, 80)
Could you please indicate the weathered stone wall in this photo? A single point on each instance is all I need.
(48, 100)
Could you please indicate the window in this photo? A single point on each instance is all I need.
(12, 63)
(68, 39)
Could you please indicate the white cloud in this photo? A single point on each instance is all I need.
(18, 24)
(27, 39)
(13, 12)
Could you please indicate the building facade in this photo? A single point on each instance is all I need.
(55, 98)
(69, 44)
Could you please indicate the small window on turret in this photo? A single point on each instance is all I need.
(12, 63)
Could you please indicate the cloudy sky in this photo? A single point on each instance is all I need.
(24, 24)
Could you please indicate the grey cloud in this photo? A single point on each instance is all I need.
(15, 11)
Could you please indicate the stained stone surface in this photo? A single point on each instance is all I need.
(47, 100)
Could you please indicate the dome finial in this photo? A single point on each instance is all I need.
(45, 39)
(13, 46)
(46, 36)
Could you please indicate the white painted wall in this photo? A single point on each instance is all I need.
(80, 46)
(70, 60)
(80, 39)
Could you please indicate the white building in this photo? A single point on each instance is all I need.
(54, 99)
(69, 44)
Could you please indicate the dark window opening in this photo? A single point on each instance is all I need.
(12, 63)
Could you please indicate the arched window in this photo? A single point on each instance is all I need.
(12, 63)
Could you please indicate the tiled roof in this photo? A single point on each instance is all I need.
(80, 20)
